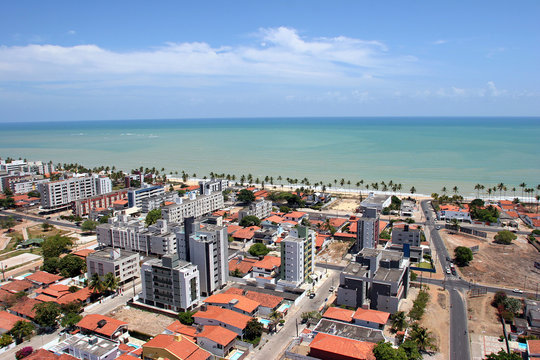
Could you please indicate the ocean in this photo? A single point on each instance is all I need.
(428, 153)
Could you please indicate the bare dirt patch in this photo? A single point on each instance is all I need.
(142, 321)
(437, 320)
(335, 251)
(482, 316)
(510, 266)
(345, 204)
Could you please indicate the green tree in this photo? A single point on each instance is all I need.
(463, 255)
(423, 338)
(34, 194)
(71, 266)
(399, 321)
(110, 281)
(503, 355)
(186, 317)
(50, 265)
(22, 329)
(96, 284)
(6, 223)
(69, 320)
(236, 273)
(505, 237)
(47, 314)
(253, 330)
(246, 196)
(385, 351)
(5, 340)
(152, 217)
(513, 305)
(258, 249)
(411, 350)
(104, 219)
(250, 220)
(55, 245)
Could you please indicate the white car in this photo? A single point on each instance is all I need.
(448, 270)
(518, 291)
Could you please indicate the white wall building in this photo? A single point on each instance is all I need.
(121, 263)
(195, 206)
(62, 192)
(136, 196)
(297, 255)
(103, 185)
(259, 208)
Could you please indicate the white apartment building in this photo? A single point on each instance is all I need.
(153, 202)
(60, 193)
(130, 234)
(171, 284)
(103, 185)
(195, 206)
(23, 187)
(259, 208)
(136, 196)
(297, 256)
(123, 264)
(15, 165)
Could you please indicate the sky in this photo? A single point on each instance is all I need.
(100, 60)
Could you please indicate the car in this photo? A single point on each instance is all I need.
(453, 271)
(447, 258)
(312, 295)
(427, 218)
(331, 289)
(518, 291)
(448, 270)
(438, 227)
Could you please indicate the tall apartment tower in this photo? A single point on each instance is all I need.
(367, 235)
(205, 247)
(297, 255)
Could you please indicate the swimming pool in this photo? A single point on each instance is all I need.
(284, 307)
(134, 346)
(265, 322)
(522, 346)
(236, 354)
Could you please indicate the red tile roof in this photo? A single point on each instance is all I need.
(237, 301)
(218, 334)
(42, 354)
(454, 208)
(232, 228)
(344, 235)
(534, 346)
(382, 226)
(337, 313)
(295, 214)
(268, 262)
(25, 306)
(90, 322)
(246, 233)
(17, 286)
(275, 219)
(225, 316)
(178, 328)
(126, 356)
(345, 348)
(120, 202)
(55, 290)
(245, 265)
(337, 222)
(266, 300)
(178, 346)
(319, 240)
(83, 253)
(379, 317)
(7, 320)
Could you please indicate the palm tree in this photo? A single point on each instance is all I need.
(477, 187)
(423, 338)
(489, 192)
(413, 190)
(399, 321)
(455, 189)
(522, 186)
(444, 190)
(96, 284)
(110, 282)
(500, 187)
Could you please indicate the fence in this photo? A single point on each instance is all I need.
(465, 230)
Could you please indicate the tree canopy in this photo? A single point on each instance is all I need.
(258, 249)
(186, 317)
(505, 237)
(152, 217)
(55, 245)
(71, 266)
(246, 196)
(22, 329)
(254, 329)
(503, 355)
(47, 313)
(250, 220)
(463, 255)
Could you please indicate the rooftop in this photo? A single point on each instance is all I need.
(349, 331)
(94, 345)
(92, 323)
(225, 316)
(348, 348)
(379, 317)
(7, 320)
(237, 301)
(177, 346)
(105, 254)
(218, 334)
(340, 314)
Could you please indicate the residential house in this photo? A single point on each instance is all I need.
(217, 340)
(234, 302)
(329, 347)
(268, 266)
(173, 347)
(229, 319)
(104, 326)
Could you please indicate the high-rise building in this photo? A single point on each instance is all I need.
(297, 255)
(367, 234)
(56, 194)
(170, 283)
(194, 206)
(136, 196)
(260, 208)
(103, 185)
(123, 264)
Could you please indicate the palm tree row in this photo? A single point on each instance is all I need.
(109, 283)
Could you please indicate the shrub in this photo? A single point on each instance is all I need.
(24, 352)
(505, 237)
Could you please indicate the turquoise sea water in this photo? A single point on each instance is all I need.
(428, 153)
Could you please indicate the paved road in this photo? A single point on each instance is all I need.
(277, 343)
(17, 215)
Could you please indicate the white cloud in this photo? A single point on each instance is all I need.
(439, 42)
(71, 32)
(280, 55)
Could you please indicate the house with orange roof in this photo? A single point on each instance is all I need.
(531, 219)
(217, 340)
(344, 236)
(16, 286)
(272, 220)
(229, 319)
(245, 234)
(320, 240)
(25, 308)
(83, 253)
(231, 229)
(52, 292)
(533, 349)
(42, 354)
(268, 266)
(337, 223)
(127, 356)
(451, 212)
(234, 302)
(243, 264)
(337, 313)
(178, 328)
(330, 347)
(104, 326)
(40, 278)
(173, 347)
(8, 320)
(296, 216)
(371, 318)
(268, 302)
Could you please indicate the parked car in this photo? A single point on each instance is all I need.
(448, 270)
(438, 227)
(518, 291)
(312, 295)
(331, 289)
(447, 258)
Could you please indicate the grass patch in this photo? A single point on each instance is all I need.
(425, 265)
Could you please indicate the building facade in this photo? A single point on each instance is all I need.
(297, 255)
(367, 231)
(84, 206)
(195, 206)
(56, 194)
(136, 196)
(259, 208)
(124, 265)
(406, 234)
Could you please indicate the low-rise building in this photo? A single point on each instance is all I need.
(268, 266)
(329, 347)
(234, 302)
(123, 264)
(403, 233)
(173, 347)
(87, 347)
(451, 212)
(40, 278)
(217, 340)
(194, 206)
(229, 319)
(83, 207)
(136, 196)
(377, 202)
(104, 326)
(260, 208)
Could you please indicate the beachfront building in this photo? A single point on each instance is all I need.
(297, 256)
(451, 212)
(260, 208)
(130, 234)
(154, 202)
(103, 184)
(170, 283)
(377, 202)
(136, 196)
(367, 230)
(407, 207)
(403, 233)
(58, 194)
(378, 279)
(123, 264)
(205, 247)
(194, 206)
(14, 165)
(83, 207)
(212, 186)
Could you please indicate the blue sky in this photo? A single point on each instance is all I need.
(66, 60)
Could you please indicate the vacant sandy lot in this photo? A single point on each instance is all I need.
(348, 205)
(510, 266)
(143, 321)
(334, 252)
(483, 318)
(437, 320)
